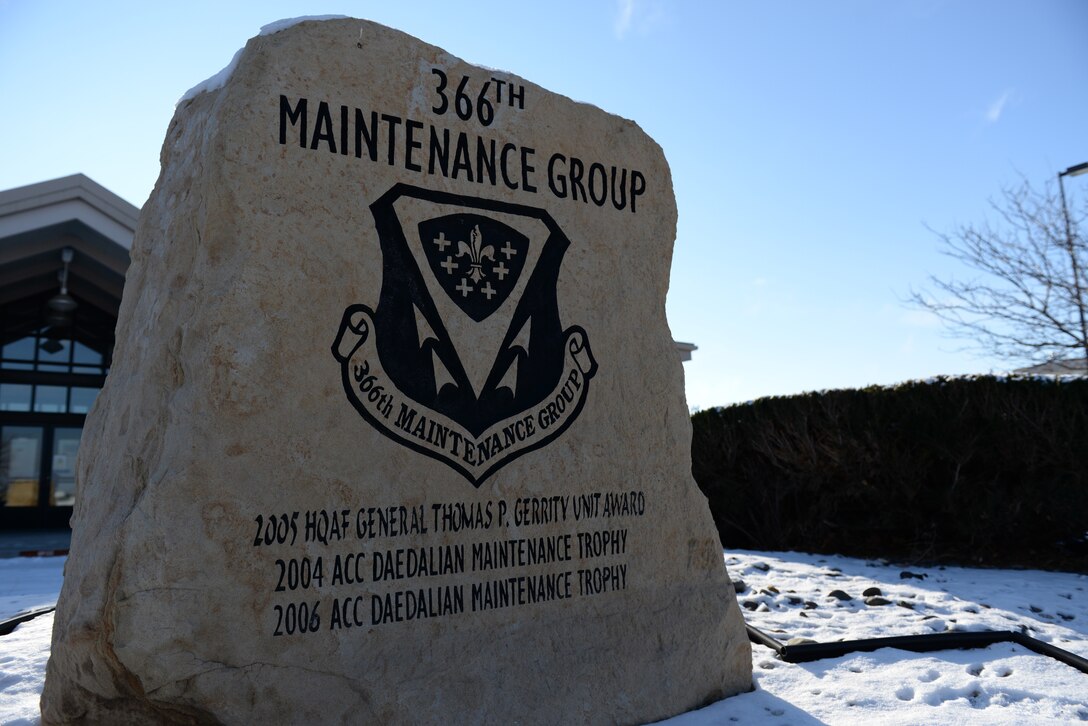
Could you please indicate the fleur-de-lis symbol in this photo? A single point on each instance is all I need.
(476, 251)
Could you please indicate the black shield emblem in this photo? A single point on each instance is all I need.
(464, 358)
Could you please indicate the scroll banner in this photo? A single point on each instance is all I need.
(429, 432)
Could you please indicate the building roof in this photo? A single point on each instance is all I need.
(1057, 367)
(685, 349)
(37, 221)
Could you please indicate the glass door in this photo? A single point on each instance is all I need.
(37, 474)
(62, 488)
(21, 465)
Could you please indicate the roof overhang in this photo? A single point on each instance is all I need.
(39, 220)
(685, 349)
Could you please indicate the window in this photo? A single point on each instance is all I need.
(54, 355)
(52, 352)
(82, 399)
(45, 351)
(50, 378)
(15, 396)
(50, 399)
(19, 355)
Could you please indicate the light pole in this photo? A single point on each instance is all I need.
(1081, 302)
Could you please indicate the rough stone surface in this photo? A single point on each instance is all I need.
(297, 381)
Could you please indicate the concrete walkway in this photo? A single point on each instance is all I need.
(15, 542)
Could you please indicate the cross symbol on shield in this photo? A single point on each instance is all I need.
(483, 262)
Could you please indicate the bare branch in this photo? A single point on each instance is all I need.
(1028, 301)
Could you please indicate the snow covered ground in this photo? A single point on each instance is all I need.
(788, 595)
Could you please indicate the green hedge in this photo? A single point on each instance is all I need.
(985, 470)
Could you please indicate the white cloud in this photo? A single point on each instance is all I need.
(993, 113)
(624, 17)
(640, 17)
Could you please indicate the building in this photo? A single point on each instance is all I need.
(64, 251)
(685, 350)
(1057, 367)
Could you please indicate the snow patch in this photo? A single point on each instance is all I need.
(278, 25)
(214, 83)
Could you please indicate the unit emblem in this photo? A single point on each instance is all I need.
(465, 358)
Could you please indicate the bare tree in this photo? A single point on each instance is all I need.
(1029, 298)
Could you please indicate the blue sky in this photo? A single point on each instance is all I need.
(810, 142)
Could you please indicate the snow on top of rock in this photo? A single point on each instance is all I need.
(220, 79)
(286, 23)
(210, 84)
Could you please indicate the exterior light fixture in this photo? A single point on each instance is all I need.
(1074, 170)
(62, 304)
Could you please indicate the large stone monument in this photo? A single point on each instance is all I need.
(395, 431)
